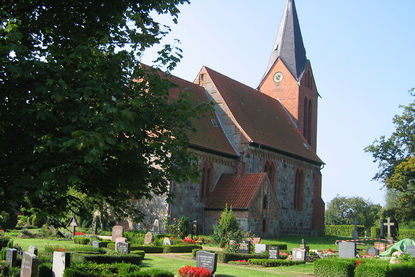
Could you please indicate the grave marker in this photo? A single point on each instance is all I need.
(30, 264)
(274, 252)
(11, 256)
(122, 247)
(96, 244)
(156, 226)
(259, 248)
(410, 249)
(61, 260)
(256, 240)
(73, 223)
(148, 239)
(117, 232)
(381, 246)
(167, 241)
(244, 247)
(355, 233)
(298, 254)
(207, 260)
(347, 250)
(373, 251)
(33, 249)
(390, 225)
(119, 240)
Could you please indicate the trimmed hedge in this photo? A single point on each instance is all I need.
(406, 234)
(93, 269)
(111, 245)
(138, 252)
(147, 248)
(4, 241)
(225, 257)
(334, 267)
(80, 240)
(379, 268)
(273, 263)
(180, 248)
(342, 230)
(375, 232)
(108, 259)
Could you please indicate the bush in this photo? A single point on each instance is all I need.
(227, 225)
(406, 234)
(80, 240)
(147, 248)
(90, 269)
(342, 230)
(108, 259)
(154, 273)
(273, 263)
(368, 269)
(375, 232)
(225, 257)
(180, 248)
(111, 245)
(183, 227)
(45, 270)
(4, 241)
(4, 269)
(334, 267)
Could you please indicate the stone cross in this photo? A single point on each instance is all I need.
(389, 224)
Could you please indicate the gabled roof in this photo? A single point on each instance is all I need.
(235, 191)
(208, 137)
(289, 46)
(263, 118)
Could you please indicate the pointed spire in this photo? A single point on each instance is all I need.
(289, 45)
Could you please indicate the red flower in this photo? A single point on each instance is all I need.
(358, 262)
(79, 234)
(191, 271)
(241, 261)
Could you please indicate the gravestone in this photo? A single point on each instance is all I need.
(73, 223)
(347, 250)
(303, 245)
(11, 256)
(194, 227)
(259, 248)
(61, 260)
(122, 247)
(373, 251)
(274, 252)
(148, 239)
(298, 254)
(167, 241)
(30, 264)
(410, 249)
(117, 232)
(119, 240)
(96, 244)
(391, 227)
(207, 260)
(381, 246)
(244, 247)
(33, 249)
(355, 233)
(156, 227)
(256, 240)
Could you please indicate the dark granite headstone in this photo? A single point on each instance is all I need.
(347, 250)
(410, 249)
(61, 260)
(274, 252)
(373, 251)
(244, 247)
(298, 254)
(96, 244)
(117, 232)
(30, 264)
(207, 260)
(11, 256)
(122, 247)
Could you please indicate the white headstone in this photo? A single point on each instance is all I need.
(259, 248)
(299, 254)
(166, 241)
(30, 264)
(33, 249)
(61, 260)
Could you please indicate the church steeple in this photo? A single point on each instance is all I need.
(289, 46)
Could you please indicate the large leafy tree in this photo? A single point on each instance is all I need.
(347, 210)
(395, 156)
(77, 111)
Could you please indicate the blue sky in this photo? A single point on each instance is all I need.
(363, 59)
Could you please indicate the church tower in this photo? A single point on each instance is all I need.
(289, 77)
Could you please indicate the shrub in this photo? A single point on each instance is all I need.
(367, 269)
(147, 248)
(154, 273)
(80, 240)
(45, 270)
(3, 253)
(406, 234)
(4, 269)
(4, 241)
(273, 263)
(191, 271)
(138, 252)
(225, 257)
(342, 230)
(375, 232)
(108, 259)
(90, 269)
(182, 227)
(227, 225)
(180, 248)
(334, 267)
(111, 245)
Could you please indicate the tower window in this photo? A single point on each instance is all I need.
(299, 190)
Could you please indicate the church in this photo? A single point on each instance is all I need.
(257, 152)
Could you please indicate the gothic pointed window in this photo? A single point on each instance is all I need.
(299, 190)
(265, 202)
(305, 121)
(264, 226)
(206, 180)
(269, 168)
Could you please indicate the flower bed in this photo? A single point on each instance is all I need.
(192, 271)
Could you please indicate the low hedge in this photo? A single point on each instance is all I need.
(225, 257)
(90, 269)
(406, 234)
(180, 248)
(342, 230)
(147, 248)
(111, 245)
(334, 267)
(273, 262)
(138, 252)
(4, 241)
(108, 259)
(379, 268)
(80, 240)
(375, 232)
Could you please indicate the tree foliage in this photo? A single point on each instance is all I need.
(227, 226)
(396, 160)
(72, 117)
(346, 210)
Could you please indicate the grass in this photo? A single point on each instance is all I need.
(42, 243)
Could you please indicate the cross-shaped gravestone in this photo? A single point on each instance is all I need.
(73, 223)
(355, 233)
(388, 225)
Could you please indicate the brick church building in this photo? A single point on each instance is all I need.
(257, 152)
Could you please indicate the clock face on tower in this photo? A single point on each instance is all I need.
(278, 77)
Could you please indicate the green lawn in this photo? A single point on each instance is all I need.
(42, 243)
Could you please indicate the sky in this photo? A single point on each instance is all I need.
(363, 60)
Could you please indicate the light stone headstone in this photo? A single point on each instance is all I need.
(167, 241)
(410, 249)
(122, 247)
(96, 244)
(117, 232)
(61, 260)
(259, 248)
(207, 260)
(148, 239)
(33, 249)
(298, 254)
(274, 252)
(11, 256)
(30, 265)
(373, 251)
(156, 226)
(347, 250)
(381, 246)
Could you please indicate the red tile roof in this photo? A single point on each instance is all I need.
(235, 190)
(262, 118)
(207, 136)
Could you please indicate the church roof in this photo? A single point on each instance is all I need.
(263, 118)
(209, 135)
(234, 190)
(289, 46)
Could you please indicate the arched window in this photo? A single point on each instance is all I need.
(299, 190)
(269, 168)
(264, 226)
(206, 180)
(265, 202)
